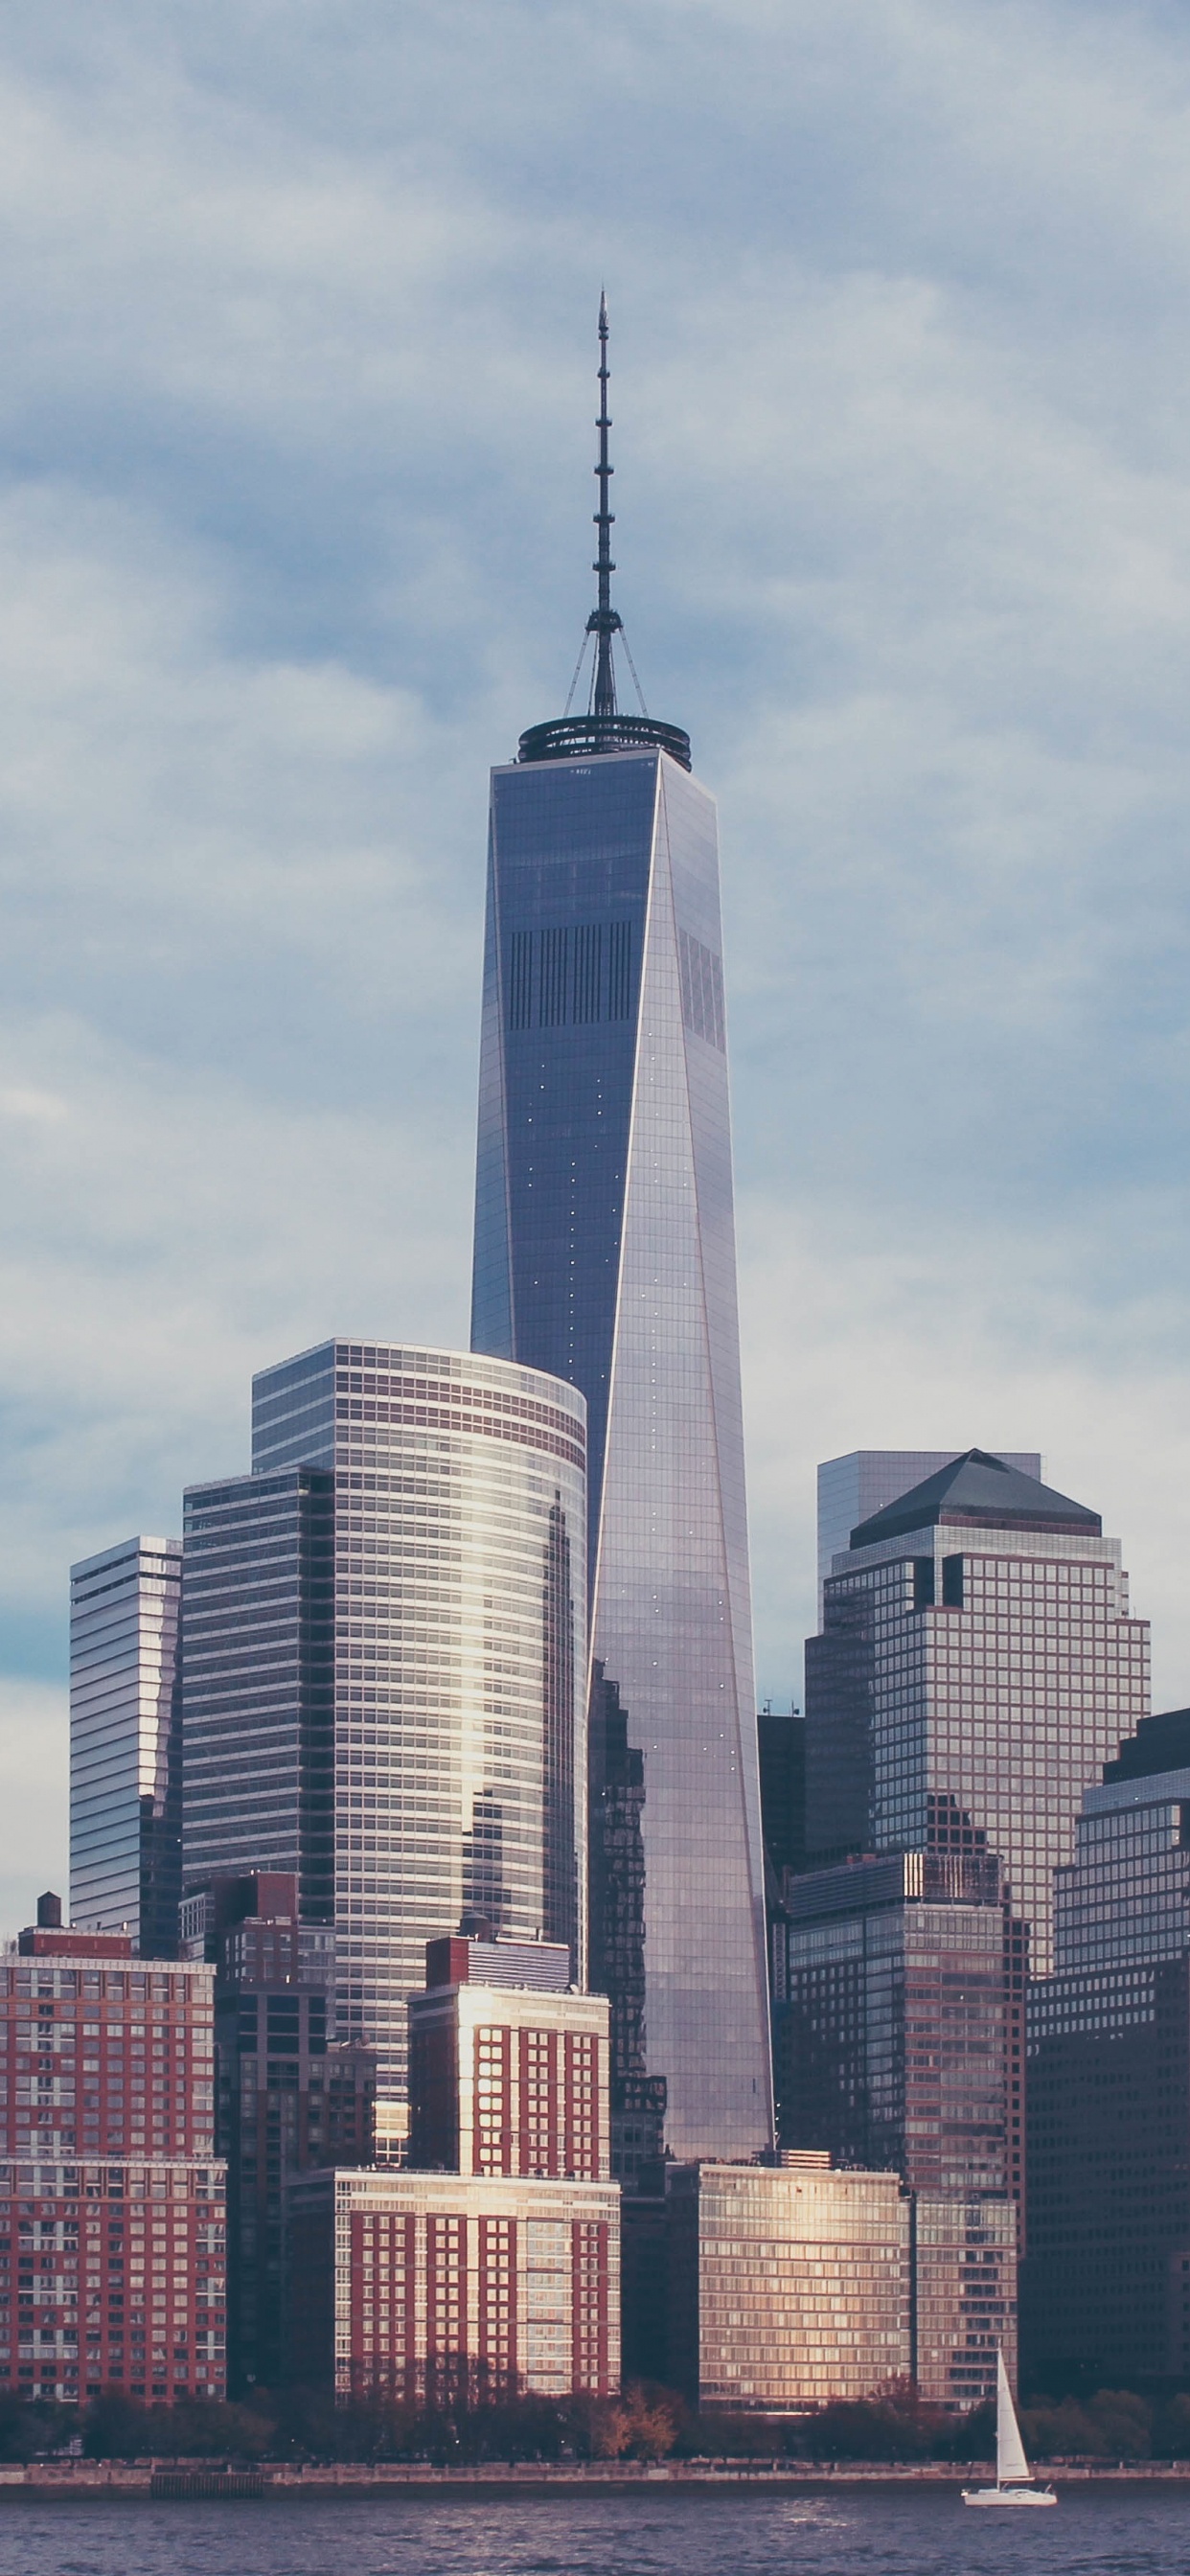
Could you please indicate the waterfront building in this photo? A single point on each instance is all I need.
(288, 2094)
(508, 2066)
(977, 1664)
(901, 1984)
(605, 1253)
(125, 1742)
(384, 1632)
(1106, 2292)
(112, 2239)
(787, 2285)
(422, 2286)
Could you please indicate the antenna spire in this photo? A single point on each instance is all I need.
(604, 621)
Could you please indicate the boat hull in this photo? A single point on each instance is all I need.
(1009, 2495)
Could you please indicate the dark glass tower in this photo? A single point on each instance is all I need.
(605, 1253)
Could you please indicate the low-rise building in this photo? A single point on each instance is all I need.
(787, 2285)
(422, 2286)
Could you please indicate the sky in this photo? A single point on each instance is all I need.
(297, 304)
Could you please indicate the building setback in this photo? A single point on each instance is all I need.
(384, 1631)
(605, 1252)
(1106, 2291)
(125, 1743)
(976, 1666)
(506, 2075)
(112, 2239)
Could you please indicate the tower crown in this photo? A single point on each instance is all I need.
(603, 728)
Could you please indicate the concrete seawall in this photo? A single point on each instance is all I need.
(180, 2480)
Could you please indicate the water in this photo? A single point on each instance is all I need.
(896, 2532)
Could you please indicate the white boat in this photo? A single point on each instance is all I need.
(1013, 2482)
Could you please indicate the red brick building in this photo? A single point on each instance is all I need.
(112, 2221)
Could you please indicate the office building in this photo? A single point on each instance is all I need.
(508, 2072)
(112, 2244)
(1106, 2293)
(605, 1253)
(384, 1633)
(902, 2046)
(865, 1481)
(977, 1664)
(423, 2285)
(289, 2096)
(125, 1743)
(787, 2285)
(897, 2032)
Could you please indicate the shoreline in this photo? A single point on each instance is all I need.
(179, 2481)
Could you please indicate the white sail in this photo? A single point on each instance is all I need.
(1010, 2450)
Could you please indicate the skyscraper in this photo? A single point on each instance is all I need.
(384, 1652)
(864, 1481)
(976, 1666)
(605, 1252)
(1107, 2286)
(125, 1742)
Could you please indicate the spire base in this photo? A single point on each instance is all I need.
(587, 737)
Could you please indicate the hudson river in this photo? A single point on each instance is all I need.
(1118, 2532)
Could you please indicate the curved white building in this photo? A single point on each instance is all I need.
(384, 1662)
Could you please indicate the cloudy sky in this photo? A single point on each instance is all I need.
(297, 302)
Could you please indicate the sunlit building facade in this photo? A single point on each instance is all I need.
(604, 1251)
(385, 1665)
(787, 2285)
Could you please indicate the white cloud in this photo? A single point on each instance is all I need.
(294, 477)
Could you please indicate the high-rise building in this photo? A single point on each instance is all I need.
(977, 1664)
(125, 1742)
(605, 1252)
(288, 2095)
(901, 2045)
(508, 2066)
(1106, 2290)
(864, 1481)
(111, 2200)
(384, 1634)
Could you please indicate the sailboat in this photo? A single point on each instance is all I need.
(1013, 2482)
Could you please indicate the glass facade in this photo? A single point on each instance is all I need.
(966, 1687)
(384, 1653)
(788, 2286)
(604, 1252)
(1108, 2282)
(125, 1742)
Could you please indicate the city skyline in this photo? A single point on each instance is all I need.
(907, 552)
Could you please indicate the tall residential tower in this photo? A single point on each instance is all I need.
(605, 1253)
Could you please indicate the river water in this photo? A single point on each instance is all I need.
(1122, 2531)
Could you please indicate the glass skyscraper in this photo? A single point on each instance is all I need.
(976, 1665)
(125, 1743)
(605, 1253)
(384, 1655)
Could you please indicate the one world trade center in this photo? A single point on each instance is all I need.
(605, 1252)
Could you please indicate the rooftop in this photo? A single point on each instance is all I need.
(978, 1491)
